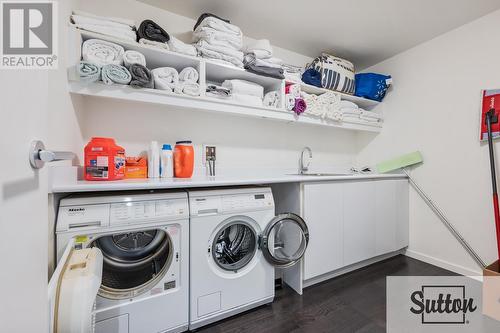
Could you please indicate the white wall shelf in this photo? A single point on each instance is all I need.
(210, 71)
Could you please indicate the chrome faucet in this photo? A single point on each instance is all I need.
(302, 167)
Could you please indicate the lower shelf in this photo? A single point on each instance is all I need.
(210, 104)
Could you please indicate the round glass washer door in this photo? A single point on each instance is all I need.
(235, 244)
(133, 262)
(285, 239)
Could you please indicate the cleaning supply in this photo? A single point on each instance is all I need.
(183, 159)
(154, 160)
(136, 167)
(166, 162)
(104, 160)
(414, 158)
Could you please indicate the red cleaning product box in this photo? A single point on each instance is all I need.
(104, 160)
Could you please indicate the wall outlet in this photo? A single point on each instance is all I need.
(209, 153)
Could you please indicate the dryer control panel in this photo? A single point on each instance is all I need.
(131, 212)
(231, 203)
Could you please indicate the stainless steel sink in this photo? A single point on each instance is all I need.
(321, 174)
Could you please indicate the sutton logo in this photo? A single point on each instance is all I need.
(28, 35)
(442, 304)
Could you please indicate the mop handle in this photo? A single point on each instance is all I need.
(490, 114)
(445, 220)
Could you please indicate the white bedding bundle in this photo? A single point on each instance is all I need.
(100, 52)
(111, 26)
(242, 87)
(165, 78)
(133, 57)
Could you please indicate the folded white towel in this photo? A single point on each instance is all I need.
(133, 57)
(261, 48)
(348, 104)
(180, 47)
(154, 43)
(220, 25)
(247, 99)
(220, 49)
(218, 38)
(251, 58)
(272, 99)
(165, 78)
(206, 53)
(188, 88)
(130, 23)
(243, 87)
(100, 52)
(294, 90)
(189, 74)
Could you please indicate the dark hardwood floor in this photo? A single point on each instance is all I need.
(354, 302)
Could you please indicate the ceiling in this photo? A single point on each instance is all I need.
(364, 31)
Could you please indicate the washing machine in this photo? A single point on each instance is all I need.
(236, 243)
(123, 263)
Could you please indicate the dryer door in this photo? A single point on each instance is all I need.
(73, 288)
(285, 240)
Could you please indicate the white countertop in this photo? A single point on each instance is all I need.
(167, 183)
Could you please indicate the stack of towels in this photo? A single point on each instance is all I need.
(216, 38)
(245, 92)
(185, 82)
(351, 111)
(259, 59)
(152, 34)
(110, 26)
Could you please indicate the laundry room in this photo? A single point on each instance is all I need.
(227, 166)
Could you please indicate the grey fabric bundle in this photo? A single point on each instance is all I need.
(115, 74)
(141, 76)
(89, 72)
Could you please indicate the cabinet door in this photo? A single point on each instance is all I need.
(359, 221)
(402, 213)
(386, 216)
(322, 210)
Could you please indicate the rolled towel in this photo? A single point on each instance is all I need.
(189, 74)
(181, 47)
(153, 43)
(89, 72)
(100, 52)
(165, 78)
(152, 31)
(300, 106)
(133, 57)
(141, 76)
(188, 88)
(243, 87)
(272, 99)
(289, 102)
(115, 74)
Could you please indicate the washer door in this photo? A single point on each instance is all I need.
(235, 243)
(133, 262)
(285, 240)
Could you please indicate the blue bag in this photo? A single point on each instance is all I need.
(372, 85)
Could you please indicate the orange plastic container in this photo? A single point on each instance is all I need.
(183, 159)
(104, 160)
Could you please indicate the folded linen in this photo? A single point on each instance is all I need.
(261, 48)
(180, 47)
(370, 115)
(141, 76)
(220, 49)
(130, 23)
(251, 59)
(165, 78)
(289, 102)
(276, 73)
(247, 99)
(312, 77)
(102, 53)
(148, 29)
(348, 105)
(272, 99)
(219, 25)
(188, 88)
(206, 53)
(189, 74)
(126, 34)
(153, 43)
(293, 89)
(205, 15)
(89, 72)
(112, 73)
(217, 38)
(133, 57)
(243, 87)
(214, 90)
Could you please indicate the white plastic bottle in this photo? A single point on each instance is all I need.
(166, 162)
(154, 160)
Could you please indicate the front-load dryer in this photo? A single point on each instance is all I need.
(236, 242)
(137, 249)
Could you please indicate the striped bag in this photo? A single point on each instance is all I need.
(336, 73)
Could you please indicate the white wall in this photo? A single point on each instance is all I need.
(434, 108)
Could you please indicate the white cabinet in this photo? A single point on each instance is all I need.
(322, 210)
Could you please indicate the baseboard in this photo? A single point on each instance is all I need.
(443, 264)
